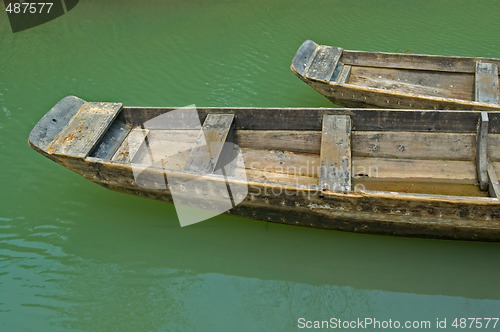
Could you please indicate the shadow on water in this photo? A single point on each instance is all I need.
(137, 232)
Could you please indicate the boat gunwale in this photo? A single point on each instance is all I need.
(314, 115)
(435, 57)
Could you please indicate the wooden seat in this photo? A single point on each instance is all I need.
(323, 64)
(486, 88)
(209, 149)
(85, 129)
(335, 155)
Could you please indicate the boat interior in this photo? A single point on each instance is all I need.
(461, 78)
(466, 79)
(435, 153)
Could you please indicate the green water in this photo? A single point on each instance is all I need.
(77, 257)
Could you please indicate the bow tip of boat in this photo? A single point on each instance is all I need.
(50, 125)
(302, 57)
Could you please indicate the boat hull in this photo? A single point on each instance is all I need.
(392, 80)
(375, 212)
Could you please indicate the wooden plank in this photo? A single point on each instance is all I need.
(131, 146)
(413, 61)
(486, 88)
(85, 129)
(204, 157)
(413, 145)
(323, 64)
(457, 171)
(481, 152)
(253, 118)
(390, 144)
(410, 82)
(50, 126)
(303, 56)
(493, 185)
(367, 168)
(335, 156)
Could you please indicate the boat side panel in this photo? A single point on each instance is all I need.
(467, 219)
(311, 119)
(414, 61)
(415, 82)
(356, 96)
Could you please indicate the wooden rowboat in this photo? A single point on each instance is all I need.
(398, 172)
(398, 80)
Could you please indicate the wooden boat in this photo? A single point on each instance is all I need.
(399, 172)
(398, 80)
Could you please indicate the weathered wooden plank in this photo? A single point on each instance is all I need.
(409, 145)
(307, 164)
(493, 185)
(413, 61)
(335, 169)
(355, 96)
(413, 145)
(486, 87)
(210, 143)
(131, 146)
(85, 129)
(323, 63)
(303, 56)
(481, 151)
(311, 119)
(448, 171)
(412, 82)
(51, 124)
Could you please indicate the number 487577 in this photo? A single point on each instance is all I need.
(471, 323)
(29, 7)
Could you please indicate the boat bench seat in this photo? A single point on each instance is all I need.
(85, 129)
(211, 151)
(335, 155)
(323, 63)
(486, 83)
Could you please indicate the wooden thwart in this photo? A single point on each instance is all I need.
(83, 132)
(210, 144)
(486, 89)
(335, 164)
(482, 151)
(323, 64)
